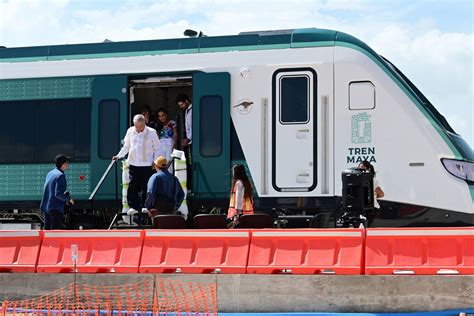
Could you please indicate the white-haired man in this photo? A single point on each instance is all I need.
(141, 143)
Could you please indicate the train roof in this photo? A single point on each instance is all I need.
(261, 40)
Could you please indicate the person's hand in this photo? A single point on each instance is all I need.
(71, 201)
(115, 158)
(185, 142)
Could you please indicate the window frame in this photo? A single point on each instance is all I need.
(308, 91)
(349, 95)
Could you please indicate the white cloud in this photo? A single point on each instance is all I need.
(439, 63)
(29, 23)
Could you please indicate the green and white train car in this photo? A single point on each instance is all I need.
(297, 107)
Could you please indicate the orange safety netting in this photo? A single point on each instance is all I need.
(150, 297)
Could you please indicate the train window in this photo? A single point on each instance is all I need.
(44, 129)
(56, 134)
(109, 131)
(361, 95)
(63, 126)
(210, 126)
(17, 141)
(294, 99)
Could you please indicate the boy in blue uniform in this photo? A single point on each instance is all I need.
(55, 194)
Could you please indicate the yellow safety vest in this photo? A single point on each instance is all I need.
(247, 207)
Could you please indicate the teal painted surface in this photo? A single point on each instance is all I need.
(299, 38)
(54, 88)
(161, 52)
(471, 189)
(312, 37)
(107, 88)
(25, 182)
(211, 175)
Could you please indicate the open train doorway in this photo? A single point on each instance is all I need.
(155, 98)
(158, 94)
(210, 149)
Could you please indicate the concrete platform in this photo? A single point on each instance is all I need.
(286, 293)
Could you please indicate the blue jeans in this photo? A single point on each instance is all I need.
(53, 219)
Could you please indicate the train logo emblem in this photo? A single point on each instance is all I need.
(361, 128)
(244, 106)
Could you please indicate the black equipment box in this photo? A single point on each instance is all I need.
(357, 191)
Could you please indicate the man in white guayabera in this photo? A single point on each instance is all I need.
(141, 143)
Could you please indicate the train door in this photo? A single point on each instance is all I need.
(294, 110)
(109, 113)
(211, 134)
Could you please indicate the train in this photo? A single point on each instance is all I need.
(295, 107)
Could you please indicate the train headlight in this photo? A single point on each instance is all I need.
(460, 168)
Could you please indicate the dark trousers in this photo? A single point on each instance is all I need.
(53, 219)
(189, 166)
(139, 177)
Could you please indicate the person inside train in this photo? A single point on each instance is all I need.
(168, 134)
(241, 195)
(378, 192)
(146, 112)
(185, 104)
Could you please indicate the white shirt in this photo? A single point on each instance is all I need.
(376, 185)
(188, 122)
(142, 148)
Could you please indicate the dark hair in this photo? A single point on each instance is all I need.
(145, 108)
(238, 173)
(60, 159)
(162, 110)
(368, 166)
(182, 97)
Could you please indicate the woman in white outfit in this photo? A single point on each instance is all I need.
(378, 192)
(168, 134)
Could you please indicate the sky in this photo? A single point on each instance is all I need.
(431, 42)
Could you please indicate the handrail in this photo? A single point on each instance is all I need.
(102, 179)
(170, 163)
(104, 176)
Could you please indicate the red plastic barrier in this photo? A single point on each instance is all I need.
(195, 251)
(306, 251)
(19, 250)
(98, 251)
(420, 251)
